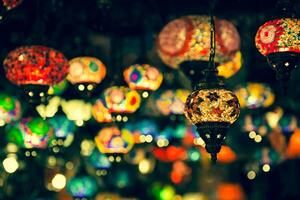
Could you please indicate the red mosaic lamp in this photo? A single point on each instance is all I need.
(278, 40)
(35, 68)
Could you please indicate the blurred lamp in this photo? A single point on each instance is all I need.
(10, 4)
(121, 99)
(143, 77)
(82, 187)
(100, 112)
(10, 109)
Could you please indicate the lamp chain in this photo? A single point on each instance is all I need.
(212, 37)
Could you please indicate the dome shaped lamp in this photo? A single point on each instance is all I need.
(278, 40)
(211, 107)
(35, 68)
(185, 43)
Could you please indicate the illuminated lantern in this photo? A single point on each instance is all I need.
(77, 110)
(63, 130)
(10, 4)
(143, 77)
(212, 111)
(59, 88)
(143, 130)
(82, 187)
(35, 68)
(180, 172)
(99, 161)
(278, 40)
(230, 191)
(170, 153)
(121, 99)
(293, 149)
(186, 41)
(172, 101)
(111, 140)
(188, 38)
(10, 109)
(30, 133)
(226, 155)
(86, 72)
(255, 95)
(100, 113)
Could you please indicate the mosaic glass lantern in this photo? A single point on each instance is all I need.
(279, 41)
(172, 101)
(63, 130)
(10, 109)
(143, 77)
(212, 111)
(121, 99)
(35, 68)
(82, 187)
(255, 95)
(10, 4)
(30, 133)
(77, 110)
(86, 72)
(112, 140)
(185, 42)
(100, 112)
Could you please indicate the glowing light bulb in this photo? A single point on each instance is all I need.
(251, 175)
(266, 167)
(10, 164)
(59, 181)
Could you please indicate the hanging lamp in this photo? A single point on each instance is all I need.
(279, 41)
(211, 107)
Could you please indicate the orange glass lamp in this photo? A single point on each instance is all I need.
(226, 155)
(35, 68)
(293, 149)
(185, 42)
(120, 99)
(230, 191)
(143, 77)
(86, 73)
(255, 95)
(113, 141)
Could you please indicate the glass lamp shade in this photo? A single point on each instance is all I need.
(121, 99)
(63, 130)
(188, 38)
(10, 4)
(100, 112)
(82, 187)
(143, 77)
(212, 105)
(35, 65)
(99, 160)
(112, 140)
(255, 95)
(212, 111)
(77, 110)
(279, 41)
(30, 133)
(86, 70)
(172, 101)
(10, 109)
